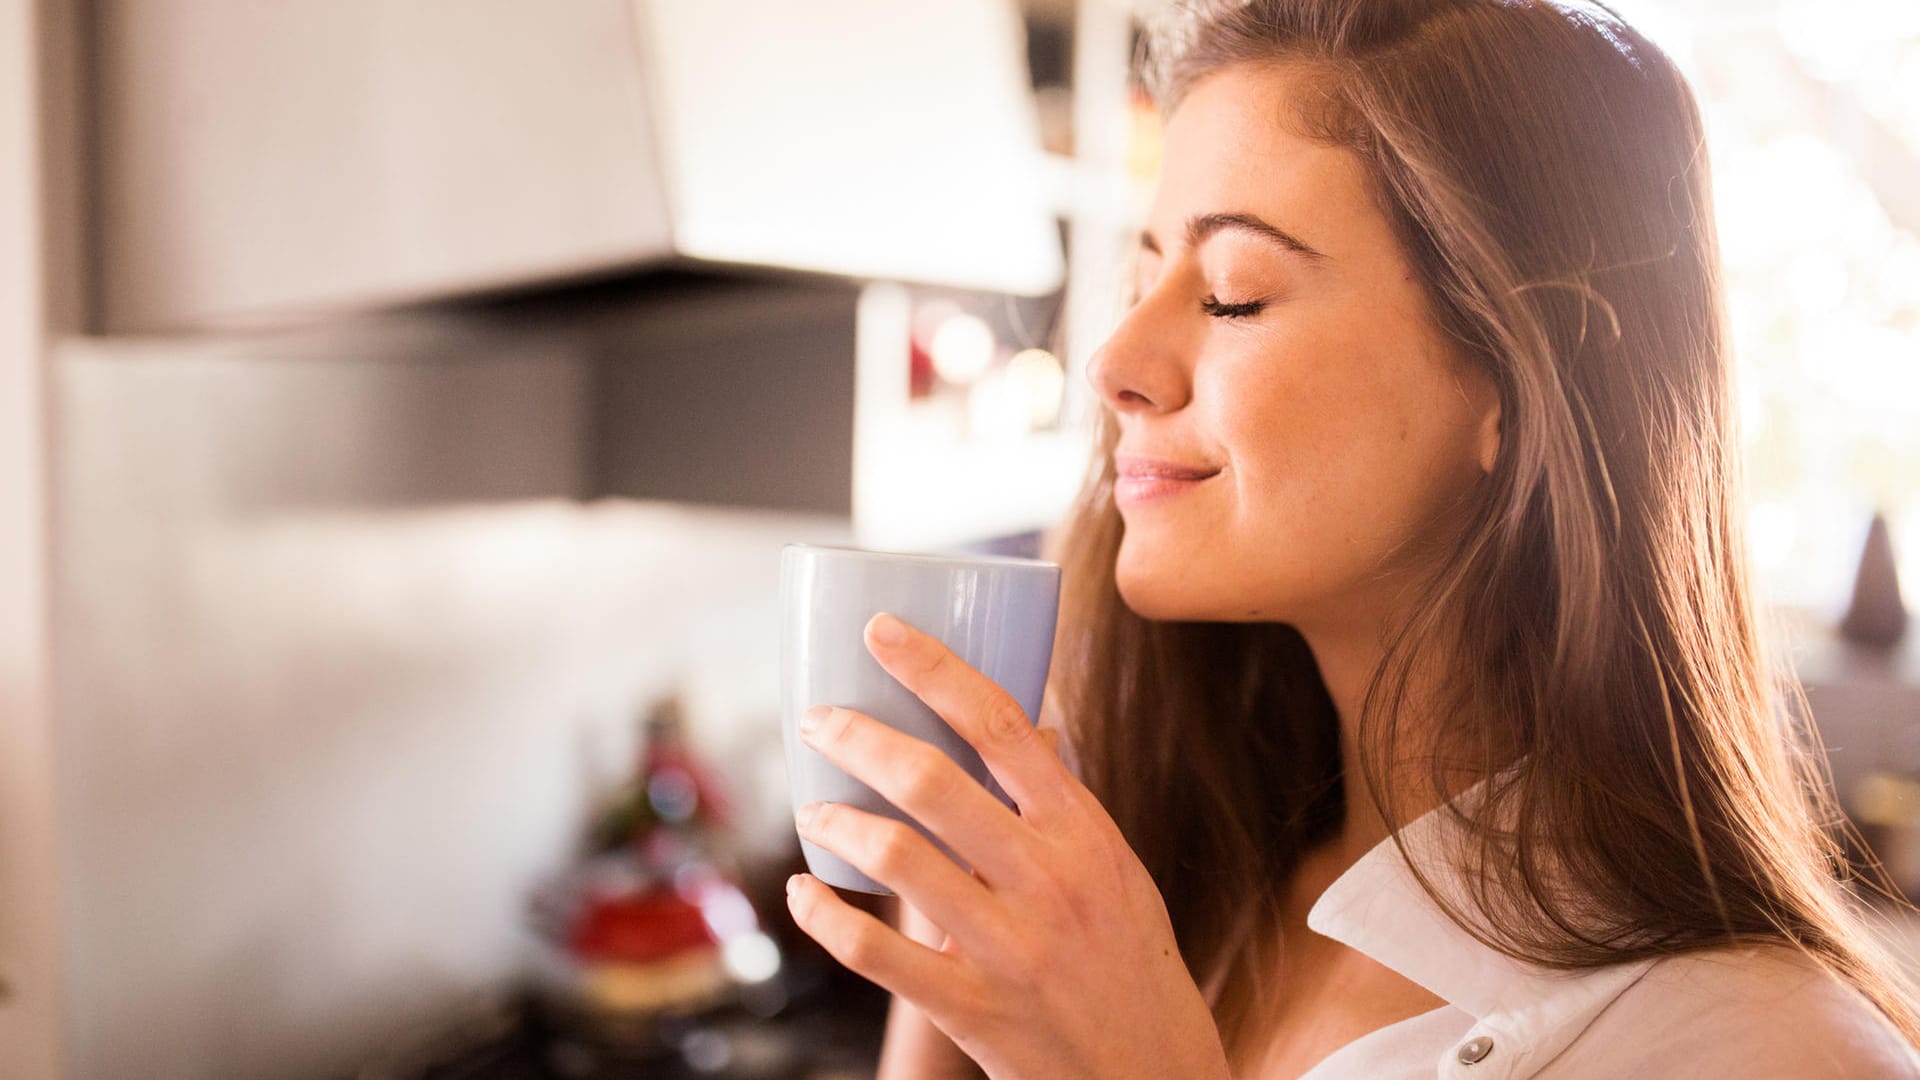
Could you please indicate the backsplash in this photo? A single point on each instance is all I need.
(340, 669)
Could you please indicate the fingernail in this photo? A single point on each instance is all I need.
(888, 630)
(793, 884)
(804, 816)
(810, 721)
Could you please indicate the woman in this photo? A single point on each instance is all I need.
(1407, 653)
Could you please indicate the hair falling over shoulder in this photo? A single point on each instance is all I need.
(1545, 169)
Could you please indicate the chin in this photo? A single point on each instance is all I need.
(1159, 595)
(1149, 604)
(1158, 589)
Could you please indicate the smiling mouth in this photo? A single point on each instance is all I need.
(1136, 467)
(1134, 488)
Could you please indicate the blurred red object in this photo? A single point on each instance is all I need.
(652, 922)
(640, 927)
(920, 373)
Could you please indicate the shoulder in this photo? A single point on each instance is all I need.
(1758, 1011)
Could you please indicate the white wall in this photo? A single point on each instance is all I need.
(338, 675)
(36, 219)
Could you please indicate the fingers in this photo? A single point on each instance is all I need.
(915, 924)
(931, 885)
(865, 944)
(930, 788)
(978, 710)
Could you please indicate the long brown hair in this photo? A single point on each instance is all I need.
(1545, 170)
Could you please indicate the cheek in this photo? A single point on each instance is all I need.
(1343, 456)
(1300, 422)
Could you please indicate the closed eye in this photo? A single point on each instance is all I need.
(1213, 306)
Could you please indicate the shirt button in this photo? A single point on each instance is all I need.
(1475, 1049)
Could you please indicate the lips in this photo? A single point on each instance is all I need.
(1143, 479)
(1132, 467)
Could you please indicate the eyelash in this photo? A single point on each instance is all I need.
(1212, 306)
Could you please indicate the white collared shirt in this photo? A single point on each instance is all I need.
(1727, 1014)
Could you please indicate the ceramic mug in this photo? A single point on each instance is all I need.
(996, 613)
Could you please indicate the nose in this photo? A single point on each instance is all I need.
(1139, 368)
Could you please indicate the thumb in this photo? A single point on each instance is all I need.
(1052, 735)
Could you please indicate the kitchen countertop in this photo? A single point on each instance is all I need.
(829, 1029)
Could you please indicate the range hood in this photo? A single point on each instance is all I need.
(258, 161)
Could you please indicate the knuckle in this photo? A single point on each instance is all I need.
(1005, 720)
(1103, 877)
(893, 848)
(1062, 910)
(923, 774)
(986, 1006)
(860, 947)
(1082, 913)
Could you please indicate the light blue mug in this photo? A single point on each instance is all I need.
(996, 613)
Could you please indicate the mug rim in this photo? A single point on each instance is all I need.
(906, 556)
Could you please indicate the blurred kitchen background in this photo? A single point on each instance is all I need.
(405, 402)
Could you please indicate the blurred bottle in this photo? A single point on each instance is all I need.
(1876, 616)
(653, 923)
(674, 807)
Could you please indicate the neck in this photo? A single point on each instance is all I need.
(1348, 659)
(1347, 662)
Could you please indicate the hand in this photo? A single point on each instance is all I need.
(1059, 960)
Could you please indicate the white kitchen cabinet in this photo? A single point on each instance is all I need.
(255, 161)
(873, 138)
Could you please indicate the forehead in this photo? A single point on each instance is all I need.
(1232, 145)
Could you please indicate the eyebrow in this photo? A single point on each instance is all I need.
(1201, 226)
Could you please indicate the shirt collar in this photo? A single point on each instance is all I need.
(1378, 908)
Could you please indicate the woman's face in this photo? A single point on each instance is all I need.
(1280, 341)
